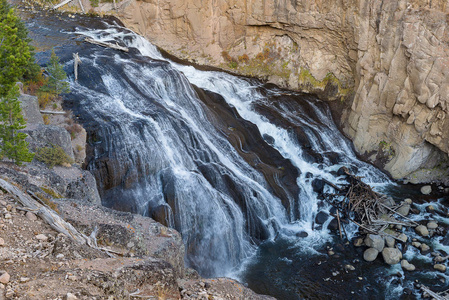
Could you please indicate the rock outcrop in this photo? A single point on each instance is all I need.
(386, 60)
(30, 110)
(135, 257)
(48, 135)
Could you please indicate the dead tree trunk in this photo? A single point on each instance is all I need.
(61, 4)
(77, 61)
(47, 214)
(81, 5)
(106, 44)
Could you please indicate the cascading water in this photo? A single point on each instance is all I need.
(160, 136)
(231, 164)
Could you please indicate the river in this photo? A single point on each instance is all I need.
(228, 161)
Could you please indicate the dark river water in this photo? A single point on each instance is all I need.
(227, 161)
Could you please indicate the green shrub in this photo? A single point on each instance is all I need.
(46, 201)
(51, 192)
(233, 64)
(52, 156)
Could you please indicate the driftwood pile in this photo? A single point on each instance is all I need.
(371, 211)
(436, 296)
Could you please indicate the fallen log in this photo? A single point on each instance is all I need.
(61, 4)
(47, 214)
(106, 44)
(395, 212)
(81, 5)
(331, 184)
(53, 112)
(433, 294)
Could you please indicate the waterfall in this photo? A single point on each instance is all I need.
(228, 162)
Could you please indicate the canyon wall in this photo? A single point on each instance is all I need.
(383, 64)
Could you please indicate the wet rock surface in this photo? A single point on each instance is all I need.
(391, 256)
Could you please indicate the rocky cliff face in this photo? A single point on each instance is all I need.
(388, 61)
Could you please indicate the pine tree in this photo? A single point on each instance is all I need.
(14, 53)
(4, 9)
(14, 59)
(32, 69)
(56, 81)
(13, 144)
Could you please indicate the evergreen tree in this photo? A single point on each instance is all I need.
(56, 81)
(32, 69)
(15, 57)
(13, 144)
(4, 9)
(14, 53)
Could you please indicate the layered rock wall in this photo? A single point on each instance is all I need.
(387, 60)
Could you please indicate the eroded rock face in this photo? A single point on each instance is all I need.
(48, 135)
(30, 110)
(139, 235)
(388, 61)
(400, 103)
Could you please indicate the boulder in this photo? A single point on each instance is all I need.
(422, 230)
(83, 187)
(404, 209)
(302, 234)
(430, 209)
(318, 185)
(416, 244)
(30, 110)
(389, 241)
(375, 241)
(440, 267)
(424, 247)
(432, 225)
(48, 135)
(358, 242)
(440, 258)
(407, 266)
(4, 278)
(426, 190)
(391, 256)
(388, 201)
(370, 254)
(30, 216)
(321, 217)
(408, 201)
(333, 225)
